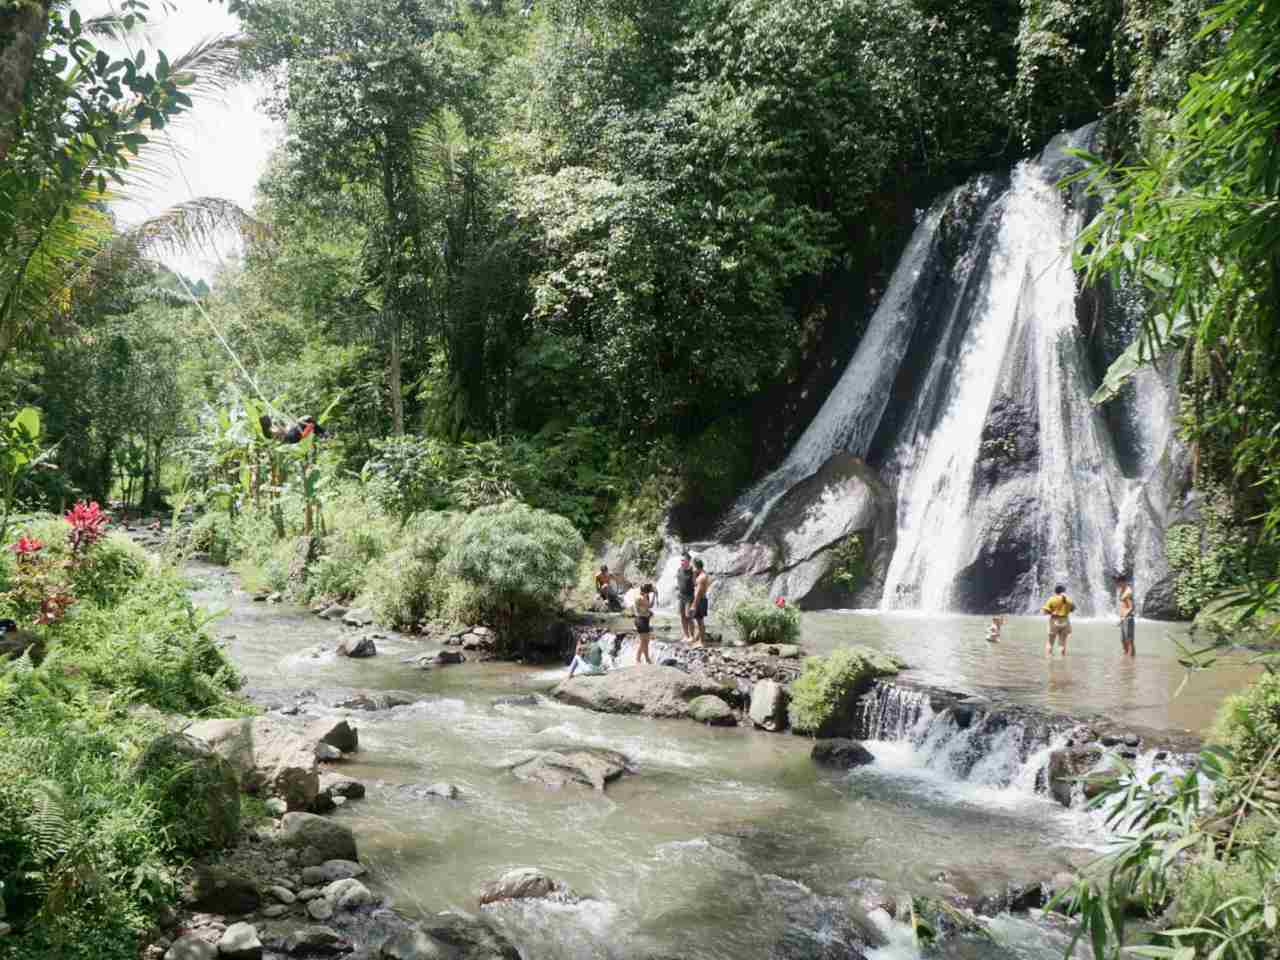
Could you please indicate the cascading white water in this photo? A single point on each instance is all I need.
(851, 413)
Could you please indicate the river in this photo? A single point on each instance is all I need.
(722, 844)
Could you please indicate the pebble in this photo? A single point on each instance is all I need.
(310, 893)
(320, 909)
(283, 894)
(275, 911)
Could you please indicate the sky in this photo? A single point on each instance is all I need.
(217, 149)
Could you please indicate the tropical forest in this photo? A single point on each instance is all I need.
(639, 479)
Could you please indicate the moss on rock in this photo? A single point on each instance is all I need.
(825, 694)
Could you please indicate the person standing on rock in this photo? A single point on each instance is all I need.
(645, 602)
(1125, 607)
(1059, 608)
(701, 583)
(685, 590)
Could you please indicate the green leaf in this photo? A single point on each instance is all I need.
(28, 421)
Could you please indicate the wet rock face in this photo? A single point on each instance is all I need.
(578, 766)
(357, 647)
(841, 753)
(769, 705)
(524, 883)
(1068, 764)
(653, 691)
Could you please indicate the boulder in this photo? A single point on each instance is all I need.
(191, 947)
(316, 941)
(583, 766)
(335, 784)
(1159, 602)
(841, 753)
(524, 700)
(333, 612)
(317, 839)
(270, 758)
(357, 647)
(465, 938)
(1066, 766)
(283, 894)
(825, 698)
(358, 617)
(524, 883)
(328, 752)
(768, 705)
(330, 871)
(347, 894)
(240, 942)
(385, 700)
(646, 689)
(219, 890)
(192, 777)
(319, 908)
(712, 711)
(447, 657)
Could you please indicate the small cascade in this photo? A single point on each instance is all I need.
(963, 742)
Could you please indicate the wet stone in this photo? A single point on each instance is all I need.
(191, 947)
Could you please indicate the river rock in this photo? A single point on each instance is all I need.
(524, 883)
(337, 785)
(525, 700)
(768, 705)
(446, 657)
(333, 612)
(358, 617)
(357, 647)
(316, 941)
(842, 753)
(584, 766)
(467, 938)
(319, 908)
(646, 689)
(240, 942)
(284, 894)
(220, 890)
(712, 711)
(331, 871)
(191, 947)
(191, 776)
(347, 894)
(275, 911)
(317, 839)
(269, 757)
(384, 700)
(1066, 766)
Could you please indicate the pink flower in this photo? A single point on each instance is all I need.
(27, 547)
(780, 602)
(88, 525)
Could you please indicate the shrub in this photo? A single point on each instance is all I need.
(408, 585)
(825, 690)
(519, 558)
(761, 620)
(1209, 557)
(1249, 722)
(213, 534)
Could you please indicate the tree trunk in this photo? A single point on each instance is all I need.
(393, 378)
(22, 29)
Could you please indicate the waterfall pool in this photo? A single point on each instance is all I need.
(722, 843)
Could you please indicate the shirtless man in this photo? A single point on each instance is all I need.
(684, 593)
(1124, 604)
(701, 583)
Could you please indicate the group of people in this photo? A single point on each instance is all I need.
(692, 584)
(1058, 609)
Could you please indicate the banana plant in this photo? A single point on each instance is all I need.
(20, 453)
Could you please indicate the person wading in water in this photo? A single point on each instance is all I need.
(1059, 608)
(1124, 604)
(644, 605)
(684, 590)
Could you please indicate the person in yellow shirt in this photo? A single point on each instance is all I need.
(1059, 608)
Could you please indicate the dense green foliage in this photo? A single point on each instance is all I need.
(827, 685)
(88, 847)
(760, 620)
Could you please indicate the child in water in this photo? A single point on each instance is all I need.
(993, 631)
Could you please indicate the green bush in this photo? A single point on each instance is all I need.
(825, 690)
(1249, 722)
(759, 620)
(408, 585)
(1209, 557)
(213, 534)
(516, 558)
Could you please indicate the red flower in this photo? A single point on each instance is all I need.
(27, 547)
(88, 525)
(780, 602)
(308, 430)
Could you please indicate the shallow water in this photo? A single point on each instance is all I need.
(720, 843)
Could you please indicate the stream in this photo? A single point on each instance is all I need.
(721, 843)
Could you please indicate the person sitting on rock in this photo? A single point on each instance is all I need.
(588, 657)
(605, 588)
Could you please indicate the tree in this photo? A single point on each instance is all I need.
(354, 82)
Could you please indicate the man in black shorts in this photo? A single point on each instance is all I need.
(684, 593)
(701, 583)
(1125, 607)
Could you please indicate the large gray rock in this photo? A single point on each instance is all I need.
(841, 753)
(316, 941)
(219, 890)
(240, 942)
(348, 894)
(524, 883)
(357, 647)
(769, 705)
(336, 733)
(645, 689)
(270, 758)
(465, 938)
(331, 870)
(712, 710)
(358, 617)
(317, 839)
(581, 766)
(191, 947)
(192, 777)
(335, 784)
(1066, 766)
